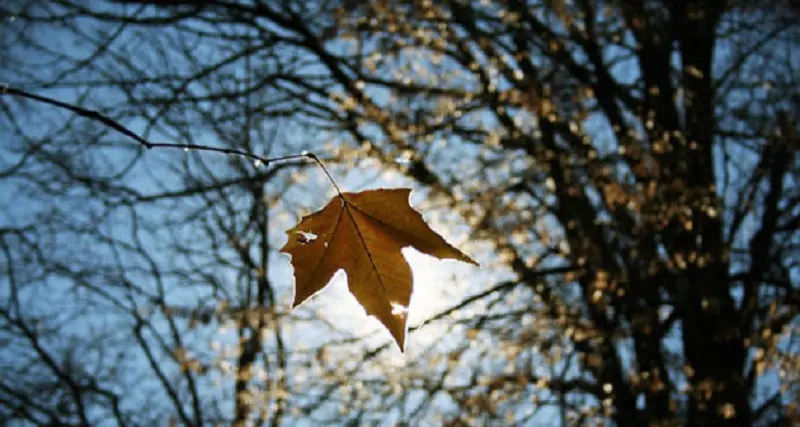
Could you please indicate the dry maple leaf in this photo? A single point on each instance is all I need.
(363, 233)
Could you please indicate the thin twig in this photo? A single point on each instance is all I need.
(113, 124)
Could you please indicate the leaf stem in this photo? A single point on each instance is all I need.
(113, 124)
(317, 160)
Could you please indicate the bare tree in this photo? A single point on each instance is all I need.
(123, 271)
(626, 169)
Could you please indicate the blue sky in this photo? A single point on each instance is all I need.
(161, 171)
(437, 284)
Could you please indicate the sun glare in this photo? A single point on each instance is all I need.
(435, 289)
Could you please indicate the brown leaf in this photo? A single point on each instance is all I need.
(363, 233)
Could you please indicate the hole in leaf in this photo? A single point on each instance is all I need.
(305, 237)
(398, 309)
